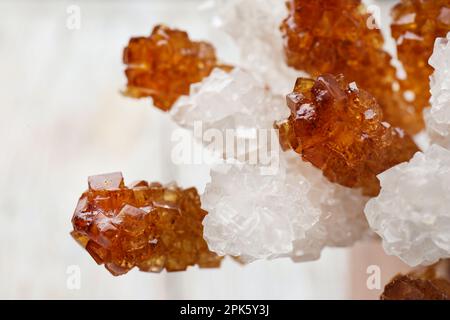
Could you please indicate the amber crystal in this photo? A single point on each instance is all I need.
(425, 283)
(338, 128)
(165, 64)
(149, 226)
(340, 37)
(416, 25)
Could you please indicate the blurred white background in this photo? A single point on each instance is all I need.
(63, 118)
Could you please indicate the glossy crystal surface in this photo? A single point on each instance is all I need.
(339, 128)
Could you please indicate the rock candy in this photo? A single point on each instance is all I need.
(438, 116)
(149, 226)
(416, 24)
(339, 129)
(411, 213)
(341, 37)
(426, 283)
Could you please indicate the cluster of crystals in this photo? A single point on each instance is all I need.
(335, 126)
(416, 25)
(325, 213)
(429, 283)
(255, 222)
(254, 27)
(163, 65)
(339, 129)
(322, 213)
(148, 226)
(437, 117)
(234, 105)
(340, 37)
(411, 213)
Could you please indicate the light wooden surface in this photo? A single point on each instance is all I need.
(63, 118)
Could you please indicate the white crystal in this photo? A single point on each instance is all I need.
(254, 26)
(232, 103)
(412, 211)
(437, 117)
(295, 212)
(230, 100)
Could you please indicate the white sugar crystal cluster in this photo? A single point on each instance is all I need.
(438, 116)
(295, 212)
(232, 114)
(230, 100)
(412, 212)
(256, 216)
(254, 26)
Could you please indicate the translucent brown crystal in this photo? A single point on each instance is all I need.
(338, 128)
(426, 283)
(149, 226)
(416, 25)
(340, 37)
(165, 64)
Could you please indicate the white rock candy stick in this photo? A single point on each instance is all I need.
(412, 212)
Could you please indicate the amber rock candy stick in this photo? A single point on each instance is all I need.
(165, 64)
(339, 129)
(341, 37)
(149, 226)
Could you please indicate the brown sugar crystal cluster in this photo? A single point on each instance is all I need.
(426, 283)
(165, 64)
(416, 25)
(340, 37)
(338, 128)
(149, 226)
